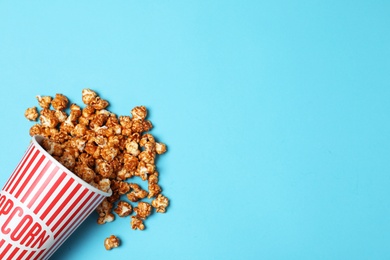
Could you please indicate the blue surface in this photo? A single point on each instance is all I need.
(275, 113)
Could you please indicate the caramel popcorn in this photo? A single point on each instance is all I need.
(31, 113)
(123, 209)
(104, 211)
(139, 112)
(143, 210)
(137, 193)
(44, 102)
(60, 102)
(154, 190)
(137, 223)
(160, 203)
(84, 172)
(61, 115)
(106, 151)
(161, 148)
(111, 242)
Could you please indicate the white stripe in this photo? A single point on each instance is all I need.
(82, 202)
(28, 254)
(9, 251)
(64, 209)
(34, 177)
(63, 197)
(52, 197)
(46, 190)
(17, 255)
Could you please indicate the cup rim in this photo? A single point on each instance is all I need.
(37, 139)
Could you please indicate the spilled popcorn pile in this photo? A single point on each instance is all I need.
(105, 151)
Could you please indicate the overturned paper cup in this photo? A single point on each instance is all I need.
(41, 204)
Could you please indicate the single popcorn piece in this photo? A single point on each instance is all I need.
(48, 118)
(60, 102)
(161, 148)
(160, 203)
(139, 112)
(121, 187)
(103, 168)
(154, 190)
(31, 113)
(143, 210)
(137, 223)
(98, 103)
(61, 115)
(104, 212)
(52, 148)
(137, 193)
(44, 102)
(88, 96)
(36, 130)
(153, 178)
(132, 147)
(105, 185)
(111, 242)
(85, 173)
(123, 209)
(130, 162)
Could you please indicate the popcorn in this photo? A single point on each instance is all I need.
(139, 112)
(160, 203)
(137, 223)
(61, 115)
(104, 211)
(60, 102)
(137, 193)
(111, 242)
(154, 190)
(143, 210)
(31, 113)
(44, 102)
(123, 209)
(161, 148)
(132, 147)
(84, 172)
(48, 118)
(88, 96)
(106, 151)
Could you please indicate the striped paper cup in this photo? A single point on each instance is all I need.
(41, 204)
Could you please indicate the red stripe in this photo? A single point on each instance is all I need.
(56, 199)
(63, 205)
(40, 253)
(22, 254)
(24, 171)
(82, 204)
(29, 176)
(11, 256)
(16, 174)
(44, 185)
(28, 151)
(34, 184)
(76, 222)
(2, 242)
(31, 254)
(51, 191)
(5, 251)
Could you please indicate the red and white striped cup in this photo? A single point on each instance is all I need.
(41, 204)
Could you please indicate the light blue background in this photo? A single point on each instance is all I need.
(275, 113)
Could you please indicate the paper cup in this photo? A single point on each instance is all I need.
(41, 204)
